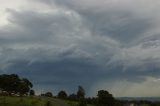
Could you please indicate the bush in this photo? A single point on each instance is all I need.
(62, 95)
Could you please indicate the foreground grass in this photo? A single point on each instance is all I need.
(74, 103)
(38, 101)
(25, 101)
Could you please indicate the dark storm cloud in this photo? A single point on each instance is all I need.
(117, 22)
(66, 72)
(82, 42)
(124, 30)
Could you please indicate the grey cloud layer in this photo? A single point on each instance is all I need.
(82, 42)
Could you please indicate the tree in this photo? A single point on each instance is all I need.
(81, 95)
(80, 92)
(13, 84)
(9, 83)
(24, 86)
(62, 94)
(32, 93)
(48, 94)
(105, 98)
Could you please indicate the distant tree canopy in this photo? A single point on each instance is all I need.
(105, 98)
(62, 94)
(47, 94)
(13, 84)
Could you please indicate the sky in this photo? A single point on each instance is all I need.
(100, 44)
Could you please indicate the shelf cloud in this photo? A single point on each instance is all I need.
(101, 44)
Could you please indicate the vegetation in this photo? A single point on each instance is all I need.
(62, 95)
(47, 94)
(105, 98)
(80, 92)
(14, 91)
(81, 96)
(32, 93)
(21, 101)
(13, 84)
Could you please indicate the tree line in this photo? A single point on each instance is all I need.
(14, 85)
(104, 98)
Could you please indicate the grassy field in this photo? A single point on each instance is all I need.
(37, 101)
(25, 101)
(73, 103)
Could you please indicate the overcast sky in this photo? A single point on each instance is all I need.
(99, 44)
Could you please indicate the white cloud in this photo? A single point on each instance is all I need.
(141, 55)
(7, 4)
(3, 18)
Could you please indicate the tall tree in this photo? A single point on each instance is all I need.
(105, 98)
(80, 92)
(81, 96)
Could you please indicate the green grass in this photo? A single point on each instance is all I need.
(71, 103)
(33, 101)
(24, 101)
(74, 103)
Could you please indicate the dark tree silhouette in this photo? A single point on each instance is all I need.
(32, 93)
(24, 86)
(48, 94)
(13, 84)
(80, 92)
(81, 96)
(62, 94)
(9, 83)
(105, 98)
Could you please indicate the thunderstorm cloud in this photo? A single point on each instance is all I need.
(104, 44)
